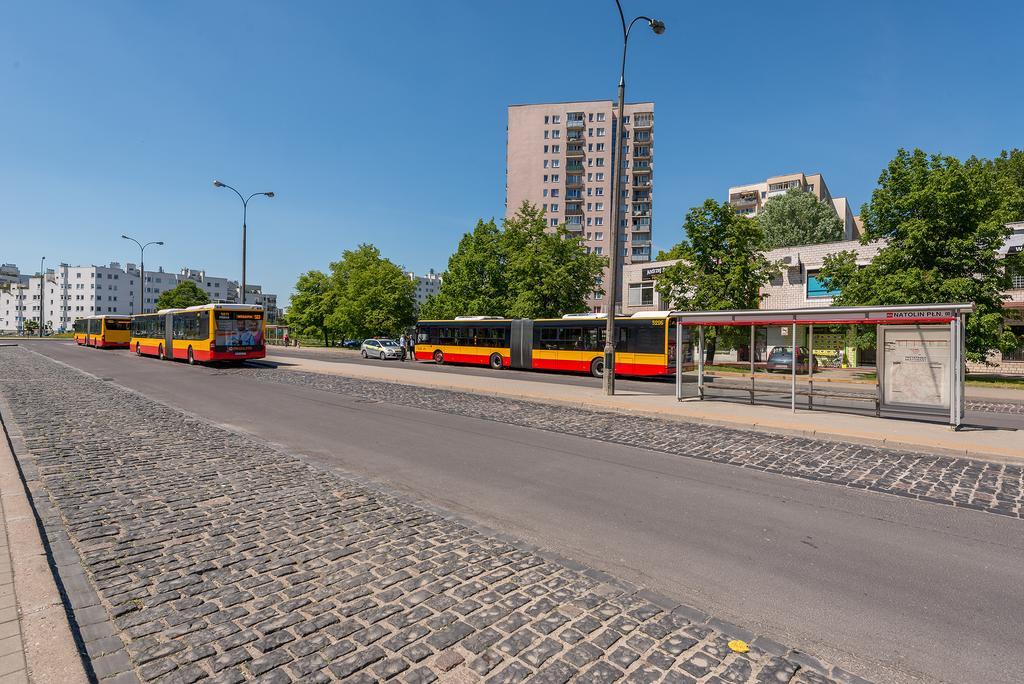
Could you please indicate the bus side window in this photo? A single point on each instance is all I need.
(624, 343)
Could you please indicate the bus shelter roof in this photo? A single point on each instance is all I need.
(828, 315)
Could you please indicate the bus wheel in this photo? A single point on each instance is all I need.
(191, 357)
(496, 362)
(597, 367)
(439, 357)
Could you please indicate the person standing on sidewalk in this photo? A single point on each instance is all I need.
(401, 343)
(412, 346)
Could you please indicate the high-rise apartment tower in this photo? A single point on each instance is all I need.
(560, 157)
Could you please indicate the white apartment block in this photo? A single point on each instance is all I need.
(427, 285)
(560, 157)
(749, 200)
(71, 292)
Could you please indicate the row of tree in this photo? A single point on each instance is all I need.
(943, 222)
(516, 270)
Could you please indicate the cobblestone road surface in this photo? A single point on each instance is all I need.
(982, 485)
(212, 556)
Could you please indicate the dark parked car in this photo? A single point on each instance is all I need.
(781, 359)
(352, 344)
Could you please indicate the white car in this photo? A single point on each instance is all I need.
(380, 349)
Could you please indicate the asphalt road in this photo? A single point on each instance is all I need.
(892, 589)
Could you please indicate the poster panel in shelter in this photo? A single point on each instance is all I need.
(915, 366)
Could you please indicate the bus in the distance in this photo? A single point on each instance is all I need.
(201, 334)
(103, 332)
(645, 346)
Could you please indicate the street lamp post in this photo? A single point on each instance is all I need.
(42, 294)
(245, 207)
(142, 268)
(611, 288)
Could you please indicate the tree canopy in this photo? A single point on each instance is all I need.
(520, 270)
(798, 218)
(363, 295)
(370, 295)
(311, 304)
(183, 295)
(943, 221)
(721, 263)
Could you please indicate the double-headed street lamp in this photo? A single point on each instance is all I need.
(611, 289)
(245, 206)
(142, 268)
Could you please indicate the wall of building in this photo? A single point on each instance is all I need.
(538, 169)
(72, 292)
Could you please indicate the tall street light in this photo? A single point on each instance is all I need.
(611, 288)
(245, 206)
(42, 283)
(142, 268)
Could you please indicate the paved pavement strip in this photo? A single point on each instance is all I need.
(963, 482)
(214, 555)
(36, 642)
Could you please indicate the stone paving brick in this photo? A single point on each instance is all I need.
(980, 485)
(211, 555)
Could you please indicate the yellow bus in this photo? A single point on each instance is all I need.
(210, 332)
(103, 332)
(646, 343)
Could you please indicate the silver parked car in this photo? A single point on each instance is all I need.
(380, 349)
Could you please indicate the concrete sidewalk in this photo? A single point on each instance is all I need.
(992, 444)
(36, 641)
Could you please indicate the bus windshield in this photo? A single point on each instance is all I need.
(116, 324)
(239, 329)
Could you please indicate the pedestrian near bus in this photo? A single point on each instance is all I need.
(411, 341)
(401, 343)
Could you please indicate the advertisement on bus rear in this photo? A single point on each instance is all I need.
(239, 331)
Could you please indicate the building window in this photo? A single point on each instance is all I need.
(556, 133)
(599, 221)
(545, 149)
(816, 288)
(554, 163)
(598, 250)
(600, 132)
(554, 178)
(600, 116)
(600, 161)
(554, 192)
(554, 222)
(546, 134)
(554, 207)
(555, 149)
(545, 192)
(599, 236)
(556, 119)
(546, 120)
(600, 147)
(641, 294)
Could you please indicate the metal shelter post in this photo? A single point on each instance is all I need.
(753, 337)
(700, 362)
(956, 376)
(810, 368)
(879, 369)
(679, 360)
(795, 355)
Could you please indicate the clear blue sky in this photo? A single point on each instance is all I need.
(385, 122)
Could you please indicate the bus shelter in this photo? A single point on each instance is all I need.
(919, 352)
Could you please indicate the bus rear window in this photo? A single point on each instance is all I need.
(118, 325)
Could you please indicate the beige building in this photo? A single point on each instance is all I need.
(749, 200)
(560, 157)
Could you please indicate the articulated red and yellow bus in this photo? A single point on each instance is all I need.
(103, 332)
(210, 332)
(645, 346)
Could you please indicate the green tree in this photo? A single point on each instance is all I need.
(721, 266)
(523, 270)
(31, 326)
(183, 295)
(311, 304)
(943, 221)
(799, 218)
(371, 295)
(475, 283)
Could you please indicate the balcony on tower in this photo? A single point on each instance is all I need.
(643, 120)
